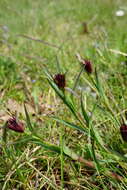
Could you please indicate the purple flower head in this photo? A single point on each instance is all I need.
(14, 125)
(88, 66)
(123, 130)
(59, 80)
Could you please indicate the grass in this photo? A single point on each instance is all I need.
(72, 137)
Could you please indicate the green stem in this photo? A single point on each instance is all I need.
(4, 136)
(62, 157)
(77, 79)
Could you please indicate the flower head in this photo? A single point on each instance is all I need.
(14, 125)
(85, 63)
(88, 66)
(123, 130)
(59, 79)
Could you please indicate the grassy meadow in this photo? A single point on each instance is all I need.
(70, 136)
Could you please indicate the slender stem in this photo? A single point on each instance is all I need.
(58, 65)
(4, 136)
(62, 156)
(77, 79)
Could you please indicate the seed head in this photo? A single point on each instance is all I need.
(14, 125)
(123, 130)
(59, 79)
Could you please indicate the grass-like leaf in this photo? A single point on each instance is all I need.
(47, 146)
(84, 113)
(98, 85)
(70, 153)
(71, 125)
(4, 134)
(28, 119)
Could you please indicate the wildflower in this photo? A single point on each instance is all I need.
(14, 125)
(33, 81)
(88, 66)
(120, 13)
(59, 79)
(123, 130)
(85, 63)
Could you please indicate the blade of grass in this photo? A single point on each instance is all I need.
(46, 145)
(62, 156)
(77, 79)
(76, 157)
(84, 113)
(71, 125)
(4, 133)
(28, 119)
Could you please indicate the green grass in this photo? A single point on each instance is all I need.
(72, 141)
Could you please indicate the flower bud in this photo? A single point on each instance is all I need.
(59, 79)
(14, 125)
(123, 130)
(88, 66)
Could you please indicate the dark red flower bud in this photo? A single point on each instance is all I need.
(59, 79)
(14, 125)
(88, 66)
(123, 130)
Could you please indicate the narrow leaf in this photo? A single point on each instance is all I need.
(70, 153)
(71, 125)
(47, 146)
(28, 119)
(84, 113)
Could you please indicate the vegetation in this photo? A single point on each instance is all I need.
(63, 98)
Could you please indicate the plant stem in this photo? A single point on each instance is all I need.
(62, 156)
(77, 79)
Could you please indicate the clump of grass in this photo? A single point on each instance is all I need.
(87, 126)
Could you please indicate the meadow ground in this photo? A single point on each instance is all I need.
(72, 138)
